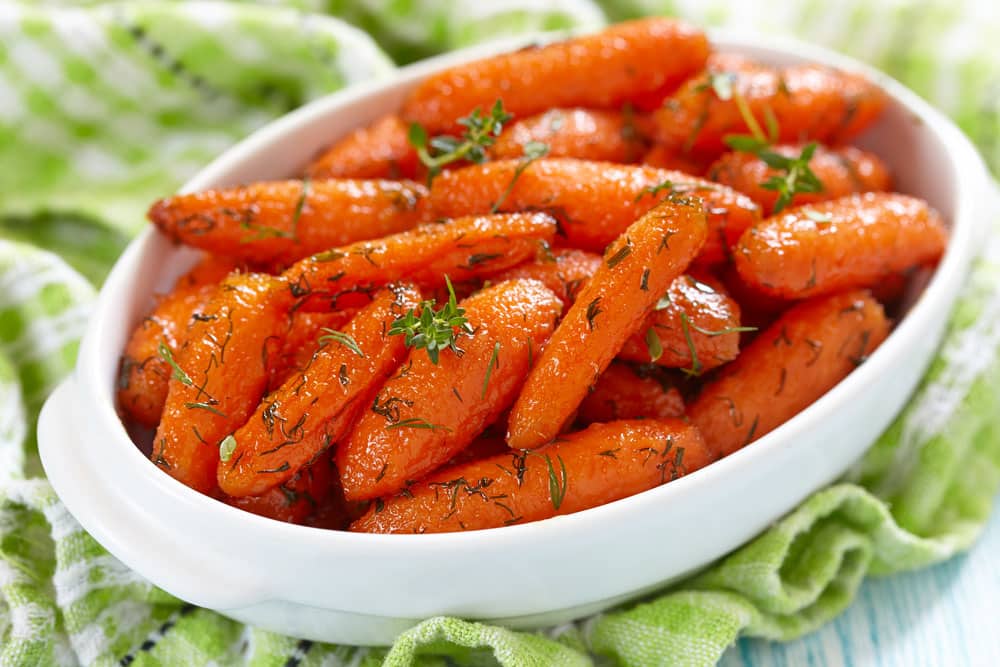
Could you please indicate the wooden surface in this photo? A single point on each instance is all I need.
(944, 616)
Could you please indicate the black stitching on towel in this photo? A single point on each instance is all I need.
(154, 637)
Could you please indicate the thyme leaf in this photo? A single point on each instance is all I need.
(433, 330)
(481, 131)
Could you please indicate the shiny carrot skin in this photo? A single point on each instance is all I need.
(842, 171)
(381, 150)
(796, 360)
(809, 102)
(605, 70)
(609, 136)
(299, 421)
(295, 500)
(142, 379)
(697, 325)
(594, 201)
(624, 392)
(637, 270)
(428, 412)
(830, 246)
(604, 463)
(564, 271)
(676, 159)
(463, 249)
(293, 350)
(223, 375)
(284, 221)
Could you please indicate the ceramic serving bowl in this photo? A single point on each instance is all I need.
(365, 589)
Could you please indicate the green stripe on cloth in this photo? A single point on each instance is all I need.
(104, 107)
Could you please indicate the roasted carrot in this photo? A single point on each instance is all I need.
(142, 379)
(696, 326)
(667, 157)
(850, 242)
(295, 500)
(594, 201)
(807, 102)
(604, 463)
(637, 270)
(463, 249)
(309, 412)
(563, 271)
(601, 71)
(609, 136)
(293, 350)
(796, 360)
(285, 221)
(624, 392)
(757, 309)
(429, 412)
(219, 377)
(842, 171)
(381, 150)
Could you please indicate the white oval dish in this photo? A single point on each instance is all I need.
(365, 589)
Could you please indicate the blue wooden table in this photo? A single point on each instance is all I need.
(944, 616)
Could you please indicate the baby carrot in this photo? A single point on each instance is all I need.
(594, 202)
(142, 379)
(285, 221)
(381, 150)
(610, 136)
(796, 360)
(429, 411)
(296, 423)
(293, 350)
(676, 159)
(601, 71)
(637, 270)
(842, 171)
(696, 326)
(295, 500)
(850, 242)
(463, 249)
(801, 102)
(218, 378)
(624, 392)
(604, 463)
(563, 271)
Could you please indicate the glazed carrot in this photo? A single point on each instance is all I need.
(604, 463)
(285, 221)
(296, 423)
(637, 270)
(295, 500)
(757, 309)
(381, 150)
(463, 249)
(807, 101)
(850, 242)
(563, 271)
(219, 377)
(142, 379)
(624, 392)
(429, 412)
(842, 171)
(697, 325)
(796, 360)
(487, 444)
(594, 201)
(610, 136)
(600, 71)
(293, 350)
(667, 157)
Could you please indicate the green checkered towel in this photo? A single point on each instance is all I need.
(104, 107)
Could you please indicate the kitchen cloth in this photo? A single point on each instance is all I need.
(104, 107)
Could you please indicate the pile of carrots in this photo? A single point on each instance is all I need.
(555, 278)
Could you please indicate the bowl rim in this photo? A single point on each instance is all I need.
(971, 186)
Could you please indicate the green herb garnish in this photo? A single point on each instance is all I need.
(653, 344)
(481, 131)
(557, 484)
(533, 150)
(227, 447)
(179, 373)
(433, 330)
(494, 362)
(334, 336)
(417, 422)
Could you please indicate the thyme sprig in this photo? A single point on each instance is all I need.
(795, 176)
(481, 131)
(433, 330)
